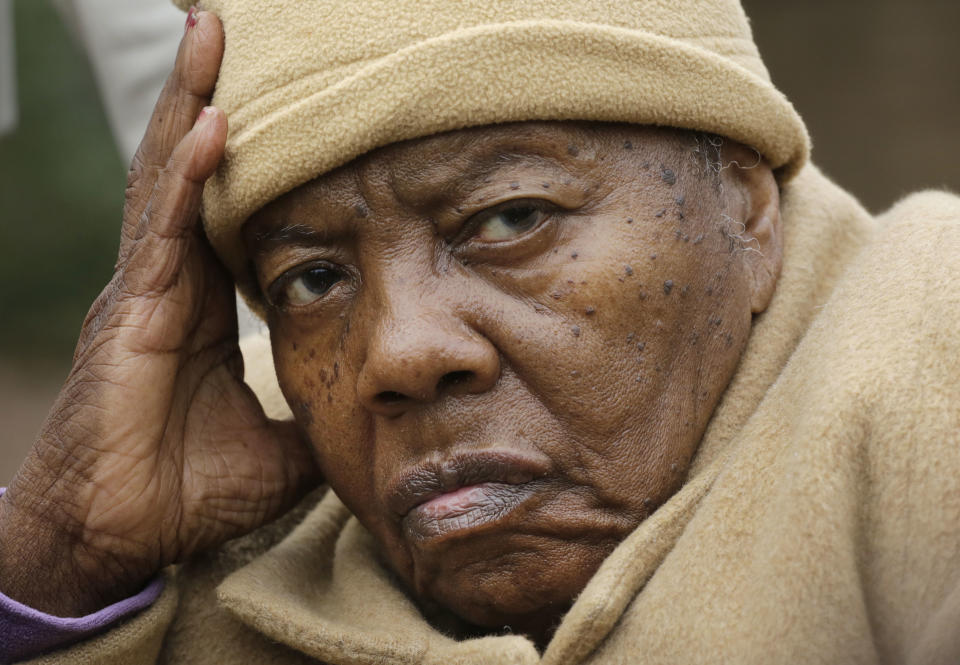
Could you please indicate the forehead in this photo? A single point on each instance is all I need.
(415, 172)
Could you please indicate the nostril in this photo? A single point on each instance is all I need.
(390, 397)
(452, 379)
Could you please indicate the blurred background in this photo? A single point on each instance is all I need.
(877, 82)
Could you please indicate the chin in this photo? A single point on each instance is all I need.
(527, 588)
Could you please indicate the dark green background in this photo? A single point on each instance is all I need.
(61, 188)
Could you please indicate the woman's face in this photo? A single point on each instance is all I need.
(505, 343)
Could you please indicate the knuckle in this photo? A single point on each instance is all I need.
(135, 175)
(128, 237)
(130, 288)
(137, 190)
(92, 326)
(97, 316)
(143, 219)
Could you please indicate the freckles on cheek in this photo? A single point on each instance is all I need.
(644, 291)
(609, 265)
(311, 383)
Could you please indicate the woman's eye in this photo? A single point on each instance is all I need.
(509, 223)
(308, 286)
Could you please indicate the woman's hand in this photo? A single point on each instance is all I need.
(155, 449)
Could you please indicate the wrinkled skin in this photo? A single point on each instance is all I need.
(422, 310)
(499, 396)
(155, 448)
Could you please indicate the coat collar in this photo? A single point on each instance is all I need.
(323, 591)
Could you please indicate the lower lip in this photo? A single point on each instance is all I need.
(465, 509)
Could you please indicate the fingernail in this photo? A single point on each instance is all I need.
(205, 114)
(191, 18)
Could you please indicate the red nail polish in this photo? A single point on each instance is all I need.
(205, 113)
(191, 18)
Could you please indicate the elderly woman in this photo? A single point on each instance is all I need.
(595, 367)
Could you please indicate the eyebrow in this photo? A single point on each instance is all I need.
(438, 186)
(302, 235)
(510, 157)
(505, 154)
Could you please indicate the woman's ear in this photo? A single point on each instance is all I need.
(762, 236)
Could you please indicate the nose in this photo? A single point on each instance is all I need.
(422, 356)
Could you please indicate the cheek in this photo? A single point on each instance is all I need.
(318, 382)
(632, 292)
(648, 328)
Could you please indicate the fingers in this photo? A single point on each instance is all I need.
(186, 92)
(169, 223)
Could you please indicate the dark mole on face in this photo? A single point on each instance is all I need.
(304, 414)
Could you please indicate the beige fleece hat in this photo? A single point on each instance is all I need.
(308, 85)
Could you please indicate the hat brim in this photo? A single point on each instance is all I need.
(522, 71)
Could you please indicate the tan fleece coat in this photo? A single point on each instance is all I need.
(820, 523)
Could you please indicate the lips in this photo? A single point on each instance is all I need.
(438, 497)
